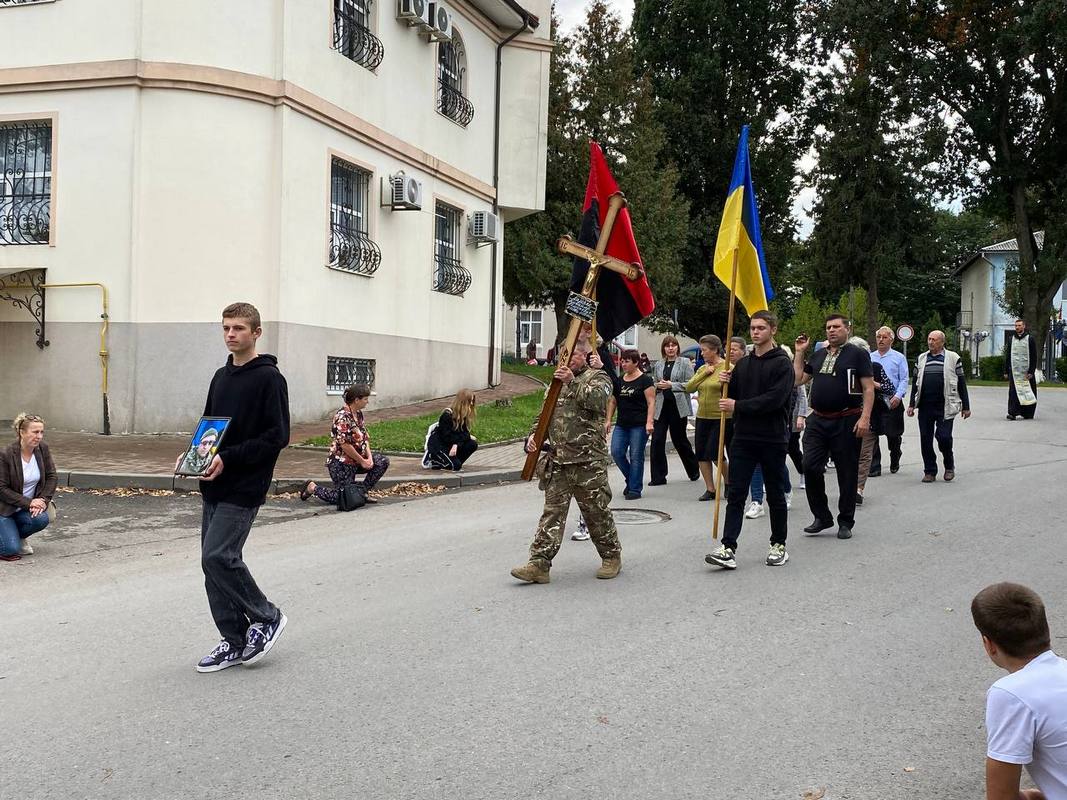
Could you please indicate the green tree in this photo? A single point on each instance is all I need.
(1000, 71)
(715, 65)
(871, 198)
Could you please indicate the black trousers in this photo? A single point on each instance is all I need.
(235, 599)
(670, 421)
(831, 438)
(894, 434)
(744, 457)
(795, 455)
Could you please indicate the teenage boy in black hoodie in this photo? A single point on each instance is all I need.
(251, 391)
(759, 397)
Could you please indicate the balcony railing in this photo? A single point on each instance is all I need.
(452, 103)
(352, 251)
(25, 182)
(353, 39)
(21, 2)
(450, 276)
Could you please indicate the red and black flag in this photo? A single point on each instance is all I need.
(622, 302)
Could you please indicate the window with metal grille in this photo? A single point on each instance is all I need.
(342, 372)
(352, 36)
(451, 73)
(22, 2)
(351, 248)
(25, 182)
(449, 274)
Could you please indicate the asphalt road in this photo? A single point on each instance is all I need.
(415, 667)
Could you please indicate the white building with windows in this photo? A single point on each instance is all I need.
(345, 165)
(525, 324)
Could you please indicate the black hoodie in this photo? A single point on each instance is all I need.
(256, 397)
(763, 388)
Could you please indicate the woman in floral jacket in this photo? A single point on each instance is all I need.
(350, 453)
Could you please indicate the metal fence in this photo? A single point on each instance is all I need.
(25, 182)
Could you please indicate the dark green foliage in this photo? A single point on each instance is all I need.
(715, 65)
(991, 368)
(1061, 369)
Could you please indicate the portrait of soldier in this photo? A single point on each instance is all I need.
(200, 454)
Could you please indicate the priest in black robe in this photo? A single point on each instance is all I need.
(1021, 369)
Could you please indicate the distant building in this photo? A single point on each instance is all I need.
(983, 325)
(332, 161)
(525, 324)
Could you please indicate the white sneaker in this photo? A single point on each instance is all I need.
(582, 534)
(788, 500)
(25, 549)
(754, 510)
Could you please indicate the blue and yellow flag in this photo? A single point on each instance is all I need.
(740, 229)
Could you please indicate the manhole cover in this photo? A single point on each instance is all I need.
(638, 516)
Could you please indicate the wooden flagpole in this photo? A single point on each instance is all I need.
(725, 388)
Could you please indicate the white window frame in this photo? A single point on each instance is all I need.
(627, 339)
(527, 326)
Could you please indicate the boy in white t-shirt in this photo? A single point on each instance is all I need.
(1026, 710)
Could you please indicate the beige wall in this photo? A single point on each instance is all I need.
(975, 297)
(182, 187)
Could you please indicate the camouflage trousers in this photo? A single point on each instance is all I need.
(588, 485)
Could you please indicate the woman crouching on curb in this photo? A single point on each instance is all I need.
(451, 444)
(350, 453)
(27, 483)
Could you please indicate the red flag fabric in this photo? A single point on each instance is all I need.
(622, 302)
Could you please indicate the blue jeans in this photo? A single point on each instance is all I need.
(18, 526)
(628, 450)
(757, 482)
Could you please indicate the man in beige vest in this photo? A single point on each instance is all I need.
(939, 393)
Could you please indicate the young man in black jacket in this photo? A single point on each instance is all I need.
(252, 392)
(759, 397)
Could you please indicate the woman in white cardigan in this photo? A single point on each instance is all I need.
(672, 412)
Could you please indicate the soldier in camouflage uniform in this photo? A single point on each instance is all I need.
(576, 465)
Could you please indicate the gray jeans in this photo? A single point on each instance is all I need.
(235, 600)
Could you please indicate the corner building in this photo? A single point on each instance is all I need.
(330, 161)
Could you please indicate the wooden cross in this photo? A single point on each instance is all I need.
(597, 258)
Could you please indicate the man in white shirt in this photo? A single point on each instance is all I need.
(896, 367)
(1026, 710)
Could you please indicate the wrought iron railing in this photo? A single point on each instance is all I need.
(450, 276)
(452, 103)
(25, 182)
(353, 39)
(20, 2)
(353, 251)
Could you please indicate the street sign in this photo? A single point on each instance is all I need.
(905, 332)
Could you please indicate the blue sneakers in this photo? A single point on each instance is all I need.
(222, 657)
(261, 637)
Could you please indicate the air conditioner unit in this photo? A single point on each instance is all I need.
(440, 22)
(484, 228)
(414, 12)
(402, 193)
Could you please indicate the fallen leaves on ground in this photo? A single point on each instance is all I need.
(814, 794)
(119, 492)
(408, 489)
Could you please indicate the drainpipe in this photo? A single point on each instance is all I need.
(103, 342)
(527, 19)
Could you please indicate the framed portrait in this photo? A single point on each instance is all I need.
(203, 446)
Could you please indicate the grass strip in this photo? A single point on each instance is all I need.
(493, 424)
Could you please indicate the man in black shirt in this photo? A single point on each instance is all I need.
(252, 392)
(759, 398)
(940, 393)
(842, 396)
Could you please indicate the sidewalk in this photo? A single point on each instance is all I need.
(139, 461)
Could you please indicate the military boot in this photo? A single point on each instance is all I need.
(610, 568)
(531, 573)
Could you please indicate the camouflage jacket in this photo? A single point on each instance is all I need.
(577, 430)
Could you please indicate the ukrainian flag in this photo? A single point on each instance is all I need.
(739, 230)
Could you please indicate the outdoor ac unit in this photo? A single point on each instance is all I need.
(484, 227)
(402, 193)
(414, 12)
(440, 22)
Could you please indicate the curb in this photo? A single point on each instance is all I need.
(114, 480)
